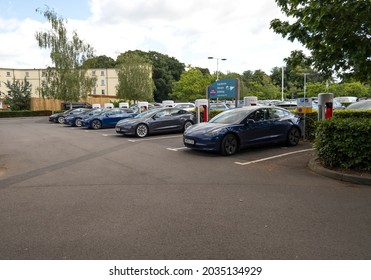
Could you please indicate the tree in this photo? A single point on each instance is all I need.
(101, 61)
(19, 95)
(259, 84)
(336, 32)
(67, 79)
(192, 85)
(135, 78)
(297, 65)
(165, 70)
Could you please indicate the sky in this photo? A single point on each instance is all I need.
(188, 30)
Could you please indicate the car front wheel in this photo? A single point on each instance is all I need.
(229, 145)
(78, 122)
(61, 119)
(96, 124)
(186, 125)
(142, 130)
(293, 136)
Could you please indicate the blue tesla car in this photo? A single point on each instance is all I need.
(76, 120)
(236, 129)
(108, 118)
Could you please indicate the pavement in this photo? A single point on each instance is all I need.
(360, 178)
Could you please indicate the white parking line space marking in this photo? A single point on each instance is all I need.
(176, 149)
(277, 156)
(154, 138)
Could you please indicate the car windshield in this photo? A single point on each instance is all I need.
(234, 116)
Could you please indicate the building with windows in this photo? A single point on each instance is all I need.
(104, 90)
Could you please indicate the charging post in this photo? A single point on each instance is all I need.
(204, 104)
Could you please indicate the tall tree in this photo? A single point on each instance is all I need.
(165, 70)
(67, 79)
(18, 96)
(101, 61)
(259, 84)
(135, 78)
(337, 32)
(192, 85)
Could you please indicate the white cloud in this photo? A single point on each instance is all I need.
(187, 30)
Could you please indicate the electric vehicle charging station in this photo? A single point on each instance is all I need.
(250, 101)
(204, 103)
(108, 106)
(325, 105)
(124, 105)
(142, 106)
(168, 103)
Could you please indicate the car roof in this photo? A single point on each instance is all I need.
(360, 105)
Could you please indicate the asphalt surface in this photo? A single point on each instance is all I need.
(74, 193)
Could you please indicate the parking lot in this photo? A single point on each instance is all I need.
(76, 193)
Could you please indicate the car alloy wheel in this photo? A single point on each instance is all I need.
(78, 122)
(187, 125)
(229, 145)
(96, 124)
(293, 136)
(61, 119)
(142, 130)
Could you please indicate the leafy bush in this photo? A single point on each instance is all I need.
(344, 143)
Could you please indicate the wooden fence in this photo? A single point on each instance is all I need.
(39, 104)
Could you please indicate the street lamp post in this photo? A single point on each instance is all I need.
(305, 89)
(217, 65)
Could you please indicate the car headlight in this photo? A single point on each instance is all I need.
(214, 132)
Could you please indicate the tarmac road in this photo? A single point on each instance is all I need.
(84, 194)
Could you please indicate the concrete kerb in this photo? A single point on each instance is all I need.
(357, 179)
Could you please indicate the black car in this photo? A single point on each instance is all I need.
(59, 117)
(74, 105)
(156, 121)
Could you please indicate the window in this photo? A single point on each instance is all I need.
(8, 74)
(43, 74)
(276, 113)
(27, 74)
(102, 82)
(102, 73)
(103, 91)
(259, 115)
(94, 91)
(93, 72)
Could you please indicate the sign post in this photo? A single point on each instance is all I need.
(304, 105)
(224, 89)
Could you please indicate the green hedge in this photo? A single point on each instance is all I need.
(11, 114)
(344, 143)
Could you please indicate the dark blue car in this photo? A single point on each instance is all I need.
(108, 118)
(76, 120)
(59, 117)
(240, 128)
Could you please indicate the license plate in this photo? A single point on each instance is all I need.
(189, 141)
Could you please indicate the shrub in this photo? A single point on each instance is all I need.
(11, 114)
(344, 142)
